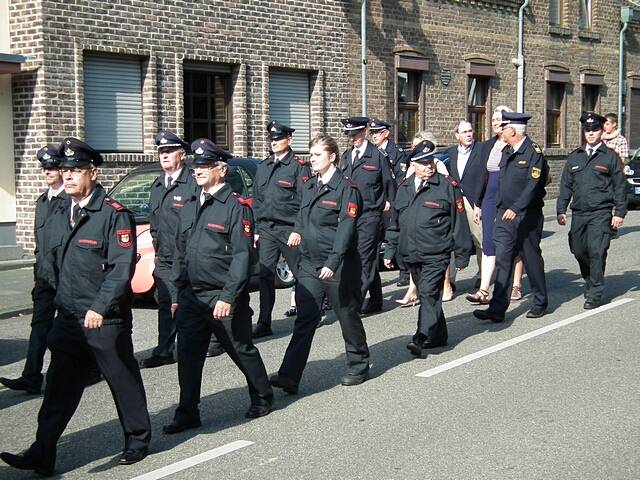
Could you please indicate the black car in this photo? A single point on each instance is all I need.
(632, 175)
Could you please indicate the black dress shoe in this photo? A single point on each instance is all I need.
(26, 462)
(215, 350)
(131, 456)
(416, 350)
(292, 312)
(261, 330)
(536, 312)
(22, 383)
(154, 361)
(280, 381)
(430, 344)
(178, 426)
(353, 379)
(257, 411)
(488, 315)
(588, 305)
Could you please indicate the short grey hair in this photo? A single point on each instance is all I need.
(425, 135)
(520, 128)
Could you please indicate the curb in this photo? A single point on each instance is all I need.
(16, 312)
(15, 264)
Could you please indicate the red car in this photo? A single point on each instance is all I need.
(133, 191)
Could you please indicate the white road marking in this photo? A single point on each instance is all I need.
(192, 461)
(514, 341)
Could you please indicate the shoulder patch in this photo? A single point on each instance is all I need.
(115, 205)
(300, 160)
(451, 180)
(536, 147)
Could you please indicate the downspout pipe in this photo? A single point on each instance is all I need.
(621, 77)
(363, 55)
(520, 59)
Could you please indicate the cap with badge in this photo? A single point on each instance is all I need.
(592, 121)
(166, 139)
(377, 125)
(207, 152)
(423, 152)
(353, 125)
(278, 131)
(78, 154)
(49, 156)
(515, 118)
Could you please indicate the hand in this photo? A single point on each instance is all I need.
(387, 207)
(562, 218)
(459, 269)
(93, 319)
(221, 310)
(477, 214)
(388, 263)
(325, 273)
(294, 239)
(174, 307)
(616, 222)
(256, 237)
(509, 215)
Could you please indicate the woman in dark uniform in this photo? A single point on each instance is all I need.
(325, 232)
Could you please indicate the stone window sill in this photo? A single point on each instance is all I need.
(589, 35)
(559, 30)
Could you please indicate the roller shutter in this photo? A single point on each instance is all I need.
(289, 104)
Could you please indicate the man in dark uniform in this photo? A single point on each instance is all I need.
(329, 265)
(215, 255)
(428, 223)
(276, 201)
(519, 218)
(371, 173)
(169, 194)
(379, 131)
(43, 292)
(593, 180)
(93, 246)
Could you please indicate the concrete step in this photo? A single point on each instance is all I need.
(10, 252)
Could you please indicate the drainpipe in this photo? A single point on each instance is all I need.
(625, 19)
(520, 60)
(363, 55)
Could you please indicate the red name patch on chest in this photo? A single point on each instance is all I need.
(178, 205)
(601, 168)
(429, 203)
(371, 168)
(87, 241)
(217, 226)
(285, 183)
(329, 203)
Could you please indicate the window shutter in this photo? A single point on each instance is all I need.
(289, 104)
(113, 104)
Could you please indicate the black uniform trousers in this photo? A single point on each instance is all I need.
(519, 237)
(589, 240)
(195, 323)
(73, 350)
(44, 310)
(343, 292)
(271, 244)
(429, 279)
(166, 323)
(369, 231)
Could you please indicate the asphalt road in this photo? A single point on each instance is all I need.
(507, 401)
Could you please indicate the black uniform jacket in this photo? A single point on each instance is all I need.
(327, 221)
(595, 183)
(214, 247)
(397, 160)
(429, 222)
(95, 259)
(372, 175)
(523, 176)
(166, 205)
(278, 190)
(470, 182)
(44, 210)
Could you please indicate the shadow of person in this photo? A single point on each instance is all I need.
(12, 350)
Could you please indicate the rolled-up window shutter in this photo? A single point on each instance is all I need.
(289, 104)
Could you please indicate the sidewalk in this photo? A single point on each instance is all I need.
(16, 277)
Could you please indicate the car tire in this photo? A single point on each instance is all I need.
(284, 275)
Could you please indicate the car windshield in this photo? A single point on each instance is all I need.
(134, 191)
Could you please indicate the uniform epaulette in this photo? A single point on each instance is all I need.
(300, 160)
(536, 147)
(451, 180)
(241, 200)
(305, 178)
(115, 205)
(351, 182)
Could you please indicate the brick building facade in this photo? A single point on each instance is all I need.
(237, 62)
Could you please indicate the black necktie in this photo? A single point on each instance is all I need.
(357, 156)
(207, 197)
(421, 185)
(320, 184)
(169, 182)
(589, 152)
(75, 214)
